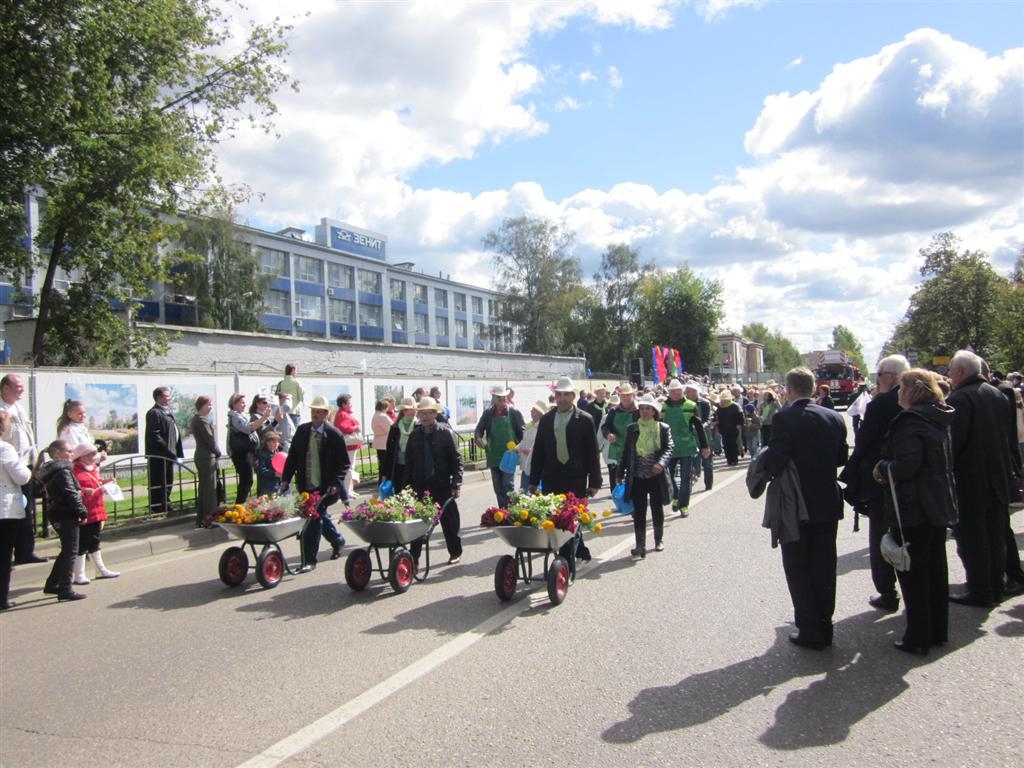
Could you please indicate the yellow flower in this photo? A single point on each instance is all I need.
(548, 525)
(239, 508)
(510, 445)
(608, 513)
(499, 516)
(517, 524)
(303, 497)
(524, 515)
(584, 517)
(597, 528)
(533, 521)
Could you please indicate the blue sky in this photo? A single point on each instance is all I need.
(801, 153)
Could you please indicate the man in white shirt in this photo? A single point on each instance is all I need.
(21, 437)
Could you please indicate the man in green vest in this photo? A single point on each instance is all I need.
(498, 426)
(616, 422)
(688, 438)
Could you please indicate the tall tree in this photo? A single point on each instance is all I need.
(616, 281)
(843, 338)
(780, 354)
(956, 305)
(1009, 330)
(587, 333)
(679, 309)
(112, 109)
(222, 273)
(540, 280)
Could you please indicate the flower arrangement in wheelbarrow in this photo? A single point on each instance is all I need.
(260, 510)
(399, 508)
(547, 511)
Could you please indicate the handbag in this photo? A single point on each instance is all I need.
(896, 555)
(356, 438)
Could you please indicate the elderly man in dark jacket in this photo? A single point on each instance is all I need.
(982, 441)
(861, 489)
(814, 439)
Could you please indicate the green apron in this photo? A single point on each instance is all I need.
(498, 437)
(620, 423)
(678, 418)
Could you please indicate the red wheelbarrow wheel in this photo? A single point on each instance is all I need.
(403, 570)
(558, 580)
(357, 569)
(270, 567)
(234, 565)
(505, 577)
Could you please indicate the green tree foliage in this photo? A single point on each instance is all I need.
(843, 338)
(780, 354)
(587, 333)
(1009, 330)
(112, 109)
(678, 308)
(957, 304)
(616, 282)
(541, 281)
(222, 273)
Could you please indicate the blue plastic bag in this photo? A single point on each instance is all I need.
(385, 489)
(623, 504)
(509, 462)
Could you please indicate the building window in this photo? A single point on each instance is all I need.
(343, 311)
(276, 303)
(442, 326)
(460, 302)
(398, 319)
(479, 331)
(478, 305)
(490, 307)
(398, 289)
(309, 270)
(273, 263)
(369, 282)
(441, 298)
(422, 323)
(341, 276)
(460, 329)
(419, 293)
(370, 314)
(309, 307)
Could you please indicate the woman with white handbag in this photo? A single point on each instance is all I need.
(917, 465)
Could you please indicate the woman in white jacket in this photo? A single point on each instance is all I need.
(525, 446)
(13, 475)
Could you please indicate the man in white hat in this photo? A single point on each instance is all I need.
(433, 465)
(597, 408)
(616, 422)
(729, 420)
(318, 460)
(688, 439)
(565, 455)
(499, 425)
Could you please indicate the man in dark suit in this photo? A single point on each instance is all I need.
(982, 441)
(318, 460)
(861, 489)
(565, 456)
(814, 439)
(163, 447)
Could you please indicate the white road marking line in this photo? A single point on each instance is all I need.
(306, 737)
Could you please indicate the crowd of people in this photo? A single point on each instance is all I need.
(930, 454)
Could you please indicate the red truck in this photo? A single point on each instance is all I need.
(834, 368)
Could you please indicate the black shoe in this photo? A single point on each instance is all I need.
(49, 590)
(918, 650)
(31, 559)
(336, 550)
(889, 604)
(1013, 588)
(970, 599)
(659, 547)
(815, 645)
(583, 554)
(7, 606)
(307, 568)
(640, 552)
(63, 597)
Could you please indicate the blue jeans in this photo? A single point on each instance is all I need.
(681, 489)
(504, 484)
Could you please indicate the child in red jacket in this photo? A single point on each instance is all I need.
(87, 472)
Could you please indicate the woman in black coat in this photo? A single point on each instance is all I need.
(66, 511)
(918, 452)
(645, 459)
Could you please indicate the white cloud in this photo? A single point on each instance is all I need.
(567, 104)
(586, 76)
(716, 10)
(614, 77)
(795, 62)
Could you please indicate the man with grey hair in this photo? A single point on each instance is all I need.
(981, 462)
(861, 490)
(814, 440)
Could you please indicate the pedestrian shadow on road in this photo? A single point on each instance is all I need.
(1014, 627)
(191, 595)
(853, 561)
(852, 679)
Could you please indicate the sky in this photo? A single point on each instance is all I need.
(800, 153)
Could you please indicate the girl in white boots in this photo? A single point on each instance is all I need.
(87, 472)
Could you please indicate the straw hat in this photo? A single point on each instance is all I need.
(320, 404)
(725, 397)
(542, 407)
(626, 389)
(407, 402)
(500, 391)
(429, 404)
(675, 385)
(564, 384)
(650, 401)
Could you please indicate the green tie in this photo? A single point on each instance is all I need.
(314, 469)
(561, 445)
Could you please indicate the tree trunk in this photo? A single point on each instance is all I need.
(46, 296)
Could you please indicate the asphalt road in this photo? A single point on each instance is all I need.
(680, 659)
